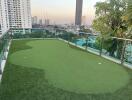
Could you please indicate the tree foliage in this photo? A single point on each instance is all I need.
(109, 22)
(128, 18)
(128, 14)
(108, 17)
(83, 29)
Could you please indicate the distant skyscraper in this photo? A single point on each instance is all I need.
(83, 20)
(34, 20)
(40, 21)
(0, 30)
(47, 22)
(15, 14)
(78, 17)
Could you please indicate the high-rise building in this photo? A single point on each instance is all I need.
(83, 20)
(15, 14)
(78, 17)
(0, 30)
(47, 22)
(40, 22)
(34, 20)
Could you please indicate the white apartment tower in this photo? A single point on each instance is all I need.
(15, 14)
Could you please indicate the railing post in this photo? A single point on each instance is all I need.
(3, 56)
(0, 68)
(123, 52)
(101, 45)
(0, 71)
(86, 44)
(68, 38)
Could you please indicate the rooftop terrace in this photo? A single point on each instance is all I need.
(54, 67)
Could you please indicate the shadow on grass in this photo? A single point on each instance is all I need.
(25, 83)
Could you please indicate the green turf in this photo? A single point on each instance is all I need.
(71, 69)
(28, 83)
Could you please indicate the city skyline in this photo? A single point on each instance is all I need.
(62, 11)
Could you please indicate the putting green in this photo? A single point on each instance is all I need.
(71, 69)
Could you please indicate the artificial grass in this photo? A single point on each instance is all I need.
(71, 69)
(22, 81)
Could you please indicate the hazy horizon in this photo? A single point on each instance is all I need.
(62, 11)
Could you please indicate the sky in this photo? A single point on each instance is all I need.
(62, 11)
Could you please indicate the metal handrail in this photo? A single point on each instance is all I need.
(125, 39)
